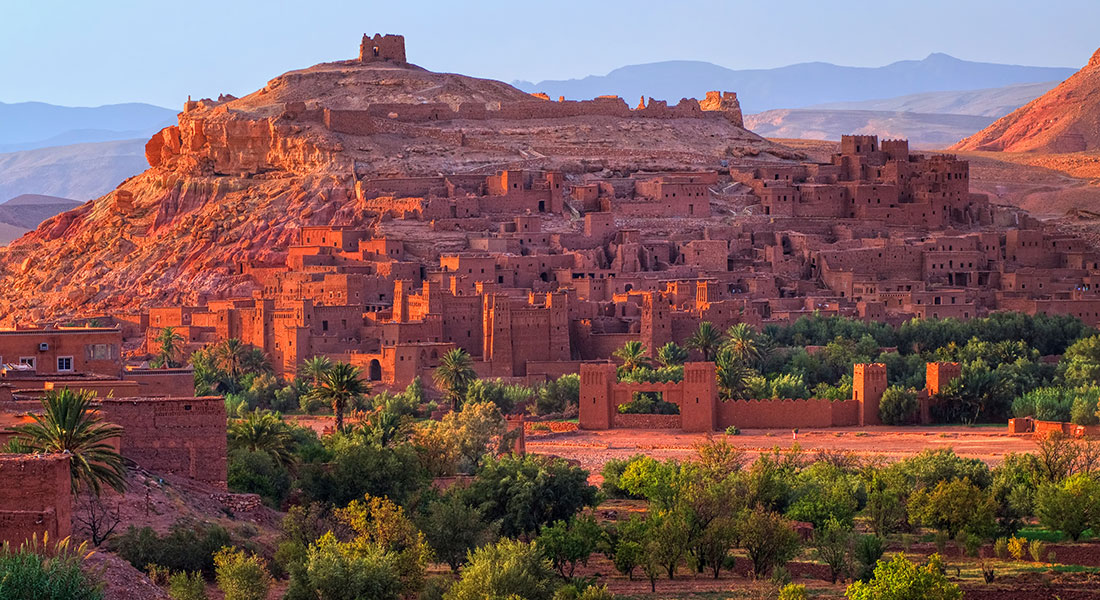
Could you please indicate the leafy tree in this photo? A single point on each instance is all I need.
(508, 569)
(454, 375)
(1071, 505)
(887, 490)
(559, 396)
(706, 339)
(1080, 364)
(899, 406)
(350, 467)
(667, 539)
(634, 356)
(341, 387)
(824, 492)
(627, 545)
(335, 571)
(741, 340)
(901, 579)
(866, 552)
(453, 528)
(167, 347)
(931, 466)
(505, 395)
(768, 539)
(256, 472)
(954, 506)
(461, 439)
(569, 543)
(314, 369)
(380, 525)
(68, 425)
(263, 431)
(525, 493)
(832, 545)
(241, 576)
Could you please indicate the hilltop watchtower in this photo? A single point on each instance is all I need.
(382, 47)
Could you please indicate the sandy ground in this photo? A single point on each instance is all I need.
(594, 448)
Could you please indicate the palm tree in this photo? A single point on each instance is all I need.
(263, 431)
(633, 355)
(341, 387)
(68, 425)
(256, 361)
(454, 374)
(741, 340)
(168, 340)
(230, 356)
(706, 340)
(315, 368)
(672, 355)
(733, 376)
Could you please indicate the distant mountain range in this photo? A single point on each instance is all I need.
(78, 171)
(796, 86)
(990, 102)
(23, 213)
(30, 125)
(924, 131)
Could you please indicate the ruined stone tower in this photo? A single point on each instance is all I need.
(382, 47)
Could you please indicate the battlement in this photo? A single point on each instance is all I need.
(382, 47)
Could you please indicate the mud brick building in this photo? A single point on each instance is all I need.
(174, 436)
(35, 497)
(533, 271)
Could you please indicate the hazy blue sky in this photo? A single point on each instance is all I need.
(80, 52)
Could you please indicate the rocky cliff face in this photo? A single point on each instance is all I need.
(234, 180)
(1065, 119)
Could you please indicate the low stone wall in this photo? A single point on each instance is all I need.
(787, 413)
(238, 503)
(634, 421)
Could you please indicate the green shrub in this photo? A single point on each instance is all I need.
(187, 586)
(1084, 410)
(901, 578)
(1037, 549)
(1071, 505)
(867, 551)
(1017, 546)
(506, 569)
(37, 572)
(733, 430)
(612, 472)
(1000, 548)
(186, 547)
(793, 591)
(241, 576)
(649, 403)
(256, 472)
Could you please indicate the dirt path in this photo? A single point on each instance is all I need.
(594, 448)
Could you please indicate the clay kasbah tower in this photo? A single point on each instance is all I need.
(377, 331)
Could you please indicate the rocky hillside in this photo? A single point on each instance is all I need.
(1065, 119)
(235, 179)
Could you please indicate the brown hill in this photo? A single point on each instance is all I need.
(232, 184)
(1065, 119)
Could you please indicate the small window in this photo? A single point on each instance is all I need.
(27, 360)
(64, 363)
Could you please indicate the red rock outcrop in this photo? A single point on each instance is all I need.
(1065, 119)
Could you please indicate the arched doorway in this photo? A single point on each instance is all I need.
(374, 370)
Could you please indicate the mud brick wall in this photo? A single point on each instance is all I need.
(35, 497)
(632, 421)
(787, 413)
(174, 436)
